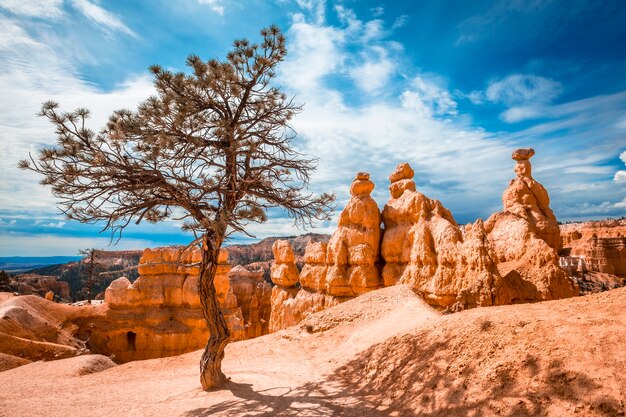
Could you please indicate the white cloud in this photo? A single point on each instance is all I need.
(525, 95)
(620, 176)
(316, 8)
(463, 165)
(318, 51)
(374, 73)
(377, 134)
(214, 5)
(101, 17)
(522, 88)
(14, 36)
(429, 97)
(45, 9)
(57, 225)
(34, 72)
(377, 11)
(400, 21)
(520, 113)
(321, 51)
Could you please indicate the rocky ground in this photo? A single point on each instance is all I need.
(384, 353)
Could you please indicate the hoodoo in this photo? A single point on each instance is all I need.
(510, 258)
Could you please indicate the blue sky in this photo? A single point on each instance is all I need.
(452, 87)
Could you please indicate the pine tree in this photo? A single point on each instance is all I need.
(88, 281)
(5, 281)
(212, 149)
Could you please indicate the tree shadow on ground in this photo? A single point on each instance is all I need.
(308, 400)
(436, 374)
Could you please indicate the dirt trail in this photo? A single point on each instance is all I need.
(384, 353)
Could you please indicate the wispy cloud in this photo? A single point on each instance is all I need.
(429, 97)
(214, 5)
(315, 8)
(101, 17)
(523, 88)
(45, 9)
(24, 87)
(455, 161)
(10, 222)
(57, 225)
(400, 21)
(498, 14)
(377, 11)
(417, 124)
(373, 74)
(525, 95)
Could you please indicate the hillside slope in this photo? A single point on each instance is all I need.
(384, 353)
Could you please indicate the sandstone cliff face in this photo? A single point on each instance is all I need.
(253, 295)
(41, 285)
(601, 246)
(594, 254)
(160, 313)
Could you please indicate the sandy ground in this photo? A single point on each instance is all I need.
(384, 353)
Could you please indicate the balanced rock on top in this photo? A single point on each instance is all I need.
(528, 199)
(353, 249)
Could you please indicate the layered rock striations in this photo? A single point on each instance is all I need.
(41, 285)
(422, 242)
(253, 296)
(160, 313)
(594, 254)
(601, 246)
(510, 258)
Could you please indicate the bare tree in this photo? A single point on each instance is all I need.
(211, 149)
(91, 254)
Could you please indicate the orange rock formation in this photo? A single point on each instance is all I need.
(600, 246)
(290, 304)
(594, 253)
(524, 240)
(160, 313)
(353, 250)
(345, 267)
(510, 258)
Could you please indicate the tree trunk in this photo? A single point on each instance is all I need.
(89, 282)
(211, 375)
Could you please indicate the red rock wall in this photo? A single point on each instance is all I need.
(596, 246)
